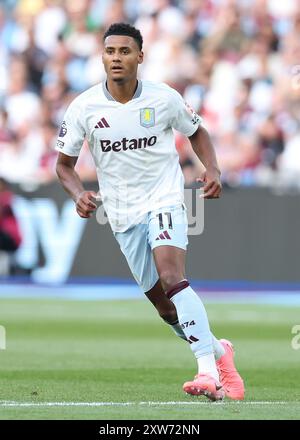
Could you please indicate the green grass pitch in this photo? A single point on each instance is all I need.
(75, 353)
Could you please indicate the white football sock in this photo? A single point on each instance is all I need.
(193, 320)
(176, 327)
(217, 346)
(219, 350)
(207, 365)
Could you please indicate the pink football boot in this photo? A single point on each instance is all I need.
(230, 379)
(205, 385)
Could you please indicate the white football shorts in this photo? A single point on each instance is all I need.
(162, 227)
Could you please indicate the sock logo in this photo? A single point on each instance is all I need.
(192, 339)
(187, 324)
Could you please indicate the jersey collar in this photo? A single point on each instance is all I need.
(137, 92)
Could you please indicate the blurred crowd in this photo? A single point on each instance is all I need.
(237, 62)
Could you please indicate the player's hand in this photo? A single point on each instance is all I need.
(212, 184)
(85, 205)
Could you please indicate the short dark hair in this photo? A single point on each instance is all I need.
(125, 29)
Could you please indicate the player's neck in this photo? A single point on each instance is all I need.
(122, 91)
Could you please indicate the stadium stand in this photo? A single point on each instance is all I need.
(236, 62)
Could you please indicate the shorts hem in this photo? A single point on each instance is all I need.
(184, 247)
(152, 285)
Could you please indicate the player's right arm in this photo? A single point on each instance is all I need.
(70, 140)
(65, 170)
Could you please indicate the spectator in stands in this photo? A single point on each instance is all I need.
(10, 237)
(236, 62)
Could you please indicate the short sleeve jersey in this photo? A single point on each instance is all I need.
(133, 147)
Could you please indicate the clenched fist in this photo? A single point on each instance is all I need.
(85, 205)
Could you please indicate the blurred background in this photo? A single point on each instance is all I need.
(237, 62)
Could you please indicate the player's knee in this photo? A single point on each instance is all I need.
(169, 278)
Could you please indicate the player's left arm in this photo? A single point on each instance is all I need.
(205, 151)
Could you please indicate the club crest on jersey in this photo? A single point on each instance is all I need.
(147, 117)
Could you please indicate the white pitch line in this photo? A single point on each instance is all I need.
(95, 404)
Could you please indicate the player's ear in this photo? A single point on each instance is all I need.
(103, 61)
(141, 57)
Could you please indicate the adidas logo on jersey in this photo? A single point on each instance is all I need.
(127, 144)
(102, 123)
(164, 235)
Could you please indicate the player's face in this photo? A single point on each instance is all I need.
(121, 57)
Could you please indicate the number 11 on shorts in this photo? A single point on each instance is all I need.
(161, 220)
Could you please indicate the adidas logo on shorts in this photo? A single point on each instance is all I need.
(163, 236)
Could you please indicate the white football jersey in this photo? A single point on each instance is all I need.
(133, 147)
